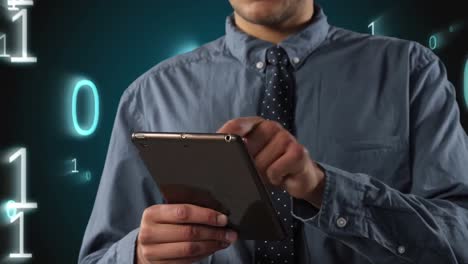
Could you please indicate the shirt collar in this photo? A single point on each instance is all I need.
(252, 51)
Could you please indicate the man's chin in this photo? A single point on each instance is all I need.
(263, 17)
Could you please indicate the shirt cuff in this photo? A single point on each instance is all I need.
(342, 212)
(126, 247)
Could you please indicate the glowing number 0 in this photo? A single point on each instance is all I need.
(433, 42)
(76, 125)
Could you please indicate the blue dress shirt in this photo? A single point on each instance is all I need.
(377, 113)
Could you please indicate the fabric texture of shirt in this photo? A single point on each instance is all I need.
(377, 114)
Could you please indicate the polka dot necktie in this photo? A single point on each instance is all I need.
(278, 104)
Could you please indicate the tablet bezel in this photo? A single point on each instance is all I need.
(142, 139)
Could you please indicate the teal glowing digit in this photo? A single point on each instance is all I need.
(372, 27)
(10, 209)
(186, 47)
(74, 166)
(78, 128)
(87, 176)
(433, 42)
(3, 39)
(23, 205)
(465, 83)
(25, 58)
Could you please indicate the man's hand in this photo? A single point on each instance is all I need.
(279, 158)
(181, 233)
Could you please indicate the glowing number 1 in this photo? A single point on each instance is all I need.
(74, 166)
(12, 206)
(372, 26)
(465, 88)
(3, 37)
(24, 57)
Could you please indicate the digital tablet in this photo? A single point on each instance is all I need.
(214, 171)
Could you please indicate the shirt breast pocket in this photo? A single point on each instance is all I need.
(385, 158)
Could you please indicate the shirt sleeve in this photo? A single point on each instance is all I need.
(125, 190)
(429, 224)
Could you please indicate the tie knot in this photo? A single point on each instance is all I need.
(277, 55)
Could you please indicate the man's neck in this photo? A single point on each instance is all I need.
(276, 34)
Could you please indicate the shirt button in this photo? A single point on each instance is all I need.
(296, 60)
(341, 222)
(401, 249)
(260, 65)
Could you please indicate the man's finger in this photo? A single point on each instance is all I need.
(183, 260)
(274, 149)
(292, 162)
(181, 250)
(168, 233)
(240, 126)
(263, 135)
(184, 214)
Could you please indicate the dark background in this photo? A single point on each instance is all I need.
(112, 43)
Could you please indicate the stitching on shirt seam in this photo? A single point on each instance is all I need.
(190, 60)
